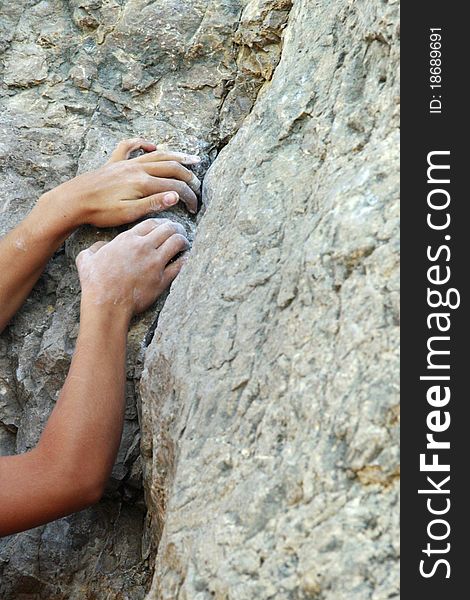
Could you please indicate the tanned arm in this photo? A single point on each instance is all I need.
(68, 469)
(120, 192)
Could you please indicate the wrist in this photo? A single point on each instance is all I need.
(44, 229)
(104, 312)
(55, 210)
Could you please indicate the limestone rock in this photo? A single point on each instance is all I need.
(269, 392)
(268, 406)
(25, 66)
(76, 78)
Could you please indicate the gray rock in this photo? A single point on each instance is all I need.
(268, 406)
(270, 403)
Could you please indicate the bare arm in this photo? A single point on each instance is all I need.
(60, 475)
(69, 467)
(120, 192)
(24, 253)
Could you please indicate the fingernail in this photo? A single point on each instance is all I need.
(192, 159)
(170, 199)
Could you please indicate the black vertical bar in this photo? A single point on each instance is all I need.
(424, 131)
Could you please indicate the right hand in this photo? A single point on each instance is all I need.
(131, 271)
(123, 190)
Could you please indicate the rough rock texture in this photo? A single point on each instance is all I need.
(77, 77)
(270, 388)
(269, 398)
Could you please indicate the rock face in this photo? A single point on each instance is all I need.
(268, 405)
(270, 388)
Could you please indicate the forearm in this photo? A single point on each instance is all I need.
(85, 427)
(24, 253)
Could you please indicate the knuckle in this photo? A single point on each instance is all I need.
(176, 186)
(132, 167)
(171, 227)
(130, 141)
(143, 177)
(144, 182)
(135, 243)
(130, 214)
(155, 204)
(122, 168)
(180, 229)
(141, 248)
(181, 239)
(122, 237)
(79, 257)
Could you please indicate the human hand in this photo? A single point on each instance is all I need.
(123, 190)
(132, 270)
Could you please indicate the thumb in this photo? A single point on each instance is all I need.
(92, 249)
(96, 246)
(155, 203)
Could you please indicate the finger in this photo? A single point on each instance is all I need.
(147, 226)
(186, 194)
(164, 155)
(172, 246)
(135, 209)
(172, 270)
(92, 249)
(96, 246)
(124, 148)
(80, 256)
(159, 235)
(174, 170)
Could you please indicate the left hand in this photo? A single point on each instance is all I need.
(128, 273)
(122, 190)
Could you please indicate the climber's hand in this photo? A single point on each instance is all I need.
(124, 190)
(130, 272)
